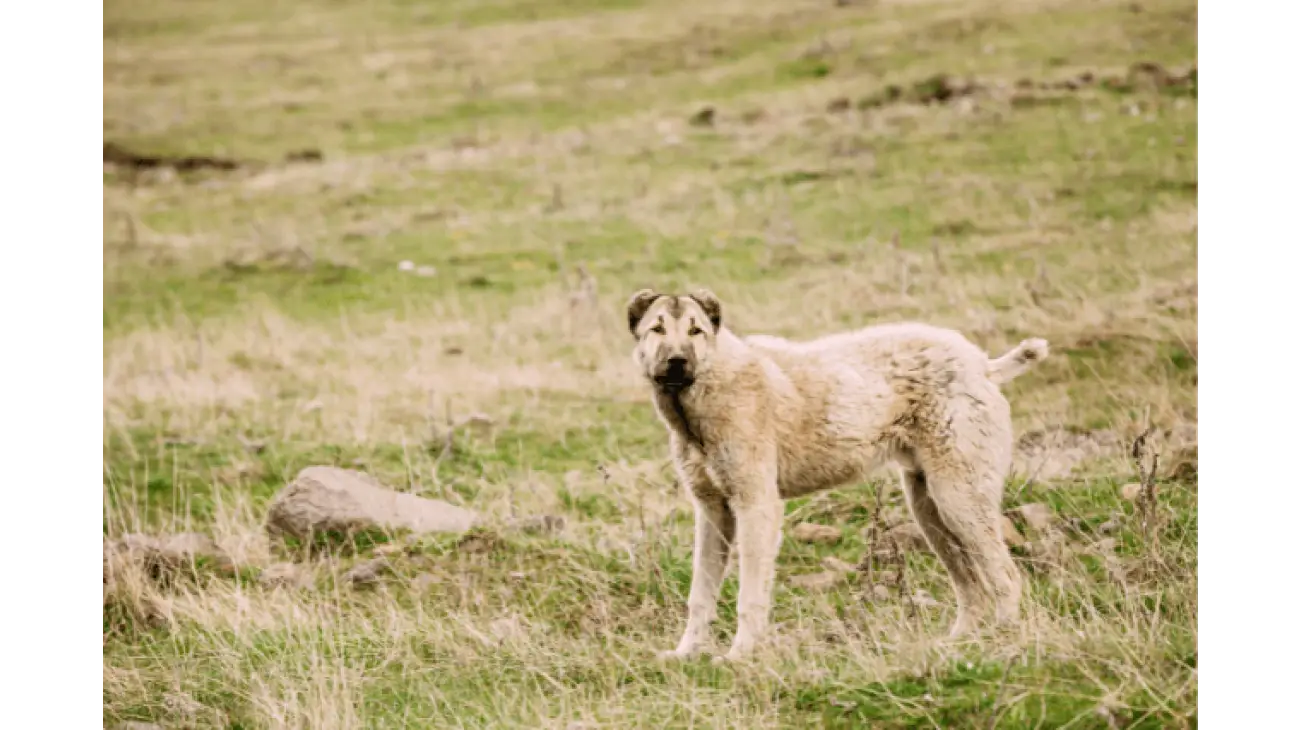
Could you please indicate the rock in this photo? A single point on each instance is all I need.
(1183, 465)
(285, 575)
(132, 725)
(923, 599)
(838, 104)
(1035, 515)
(1106, 545)
(810, 532)
(1130, 491)
(835, 565)
(391, 549)
(478, 541)
(704, 117)
(539, 524)
(880, 592)
(1010, 535)
(326, 499)
(907, 536)
(166, 556)
(1049, 551)
(817, 581)
(367, 573)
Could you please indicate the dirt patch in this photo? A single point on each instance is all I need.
(305, 155)
(944, 88)
(1150, 76)
(937, 89)
(115, 154)
(704, 117)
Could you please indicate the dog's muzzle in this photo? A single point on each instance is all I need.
(674, 376)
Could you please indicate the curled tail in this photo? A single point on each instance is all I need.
(1011, 365)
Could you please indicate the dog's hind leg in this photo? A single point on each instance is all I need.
(960, 564)
(967, 495)
(976, 522)
(964, 448)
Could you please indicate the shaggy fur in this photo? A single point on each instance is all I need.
(756, 420)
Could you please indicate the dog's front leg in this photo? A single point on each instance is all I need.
(715, 528)
(759, 510)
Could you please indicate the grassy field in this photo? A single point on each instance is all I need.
(1010, 169)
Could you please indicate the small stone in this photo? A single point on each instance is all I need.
(1130, 491)
(704, 117)
(888, 577)
(367, 573)
(166, 556)
(540, 524)
(406, 266)
(880, 592)
(838, 104)
(390, 549)
(835, 565)
(1108, 527)
(1183, 465)
(1050, 549)
(924, 599)
(811, 532)
(817, 581)
(284, 575)
(1035, 515)
(907, 537)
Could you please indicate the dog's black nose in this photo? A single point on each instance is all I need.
(676, 366)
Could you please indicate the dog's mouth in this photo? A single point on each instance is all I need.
(673, 384)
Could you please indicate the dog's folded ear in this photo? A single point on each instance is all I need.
(637, 306)
(708, 301)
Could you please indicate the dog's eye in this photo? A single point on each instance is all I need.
(693, 331)
(658, 329)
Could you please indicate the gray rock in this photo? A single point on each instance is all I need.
(330, 499)
(811, 532)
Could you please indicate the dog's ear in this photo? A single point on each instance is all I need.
(637, 306)
(708, 301)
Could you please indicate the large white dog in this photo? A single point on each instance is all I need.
(756, 420)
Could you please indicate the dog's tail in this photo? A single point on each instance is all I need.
(1013, 364)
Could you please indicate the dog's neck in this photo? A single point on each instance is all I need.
(686, 411)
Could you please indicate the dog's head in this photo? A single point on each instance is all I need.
(676, 336)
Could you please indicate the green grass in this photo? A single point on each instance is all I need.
(505, 144)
